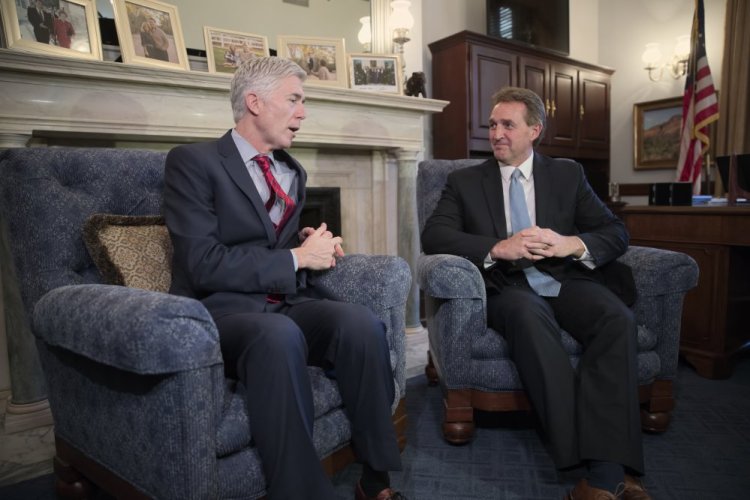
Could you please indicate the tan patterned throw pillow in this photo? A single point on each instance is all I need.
(130, 250)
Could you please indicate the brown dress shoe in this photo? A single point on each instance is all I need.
(634, 489)
(386, 494)
(583, 491)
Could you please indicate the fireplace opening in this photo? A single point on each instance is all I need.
(322, 204)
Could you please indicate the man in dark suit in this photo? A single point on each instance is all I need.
(232, 207)
(40, 20)
(545, 245)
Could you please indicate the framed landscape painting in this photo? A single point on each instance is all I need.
(377, 73)
(150, 34)
(66, 28)
(323, 59)
(226, 49)
(656, 133)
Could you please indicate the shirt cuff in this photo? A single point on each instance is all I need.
(586, 259)
(294, 258)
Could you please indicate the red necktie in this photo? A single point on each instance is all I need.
(287, 204)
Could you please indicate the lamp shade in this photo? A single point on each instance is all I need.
(652, 55)
(365, 32)
(401, 18)
(682, 48)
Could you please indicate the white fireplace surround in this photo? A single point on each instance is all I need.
(365, 143)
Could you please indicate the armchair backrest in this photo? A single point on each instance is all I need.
(46, 195)
(431, 177)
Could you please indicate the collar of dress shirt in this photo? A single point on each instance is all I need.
(527, 166)
(247, 151)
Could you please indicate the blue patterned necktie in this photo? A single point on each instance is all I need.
(542, 283)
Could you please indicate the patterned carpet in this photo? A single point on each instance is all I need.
(705, 454)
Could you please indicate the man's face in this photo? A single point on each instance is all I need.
(281, 113)
(512, 140)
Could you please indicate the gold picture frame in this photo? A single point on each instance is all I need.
(67, 28)
(324, 59)
(376, 73)
(150, 34)
(656, 133)
(225, 49)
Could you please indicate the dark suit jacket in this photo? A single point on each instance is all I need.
(226, 252)
(470, 218)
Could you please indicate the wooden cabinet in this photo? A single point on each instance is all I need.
(468, 68)
(716, 313)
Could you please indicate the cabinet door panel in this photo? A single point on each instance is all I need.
(593, 111)
(563, 122)
(491, 69)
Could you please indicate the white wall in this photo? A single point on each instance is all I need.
(625, 27)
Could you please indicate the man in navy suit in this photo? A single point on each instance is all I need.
(232, 207)
(569, 242)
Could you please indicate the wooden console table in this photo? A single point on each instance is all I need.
(716, 314)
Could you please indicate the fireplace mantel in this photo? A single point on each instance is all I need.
(368, 144)
(44, 95)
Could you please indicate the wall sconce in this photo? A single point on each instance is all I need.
(400, 22)
(365, 33)
(677, 66)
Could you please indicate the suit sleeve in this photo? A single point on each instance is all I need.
(447, 229)
(604, 234)
(195, 207)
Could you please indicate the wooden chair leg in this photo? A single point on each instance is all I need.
(458, 419)
(656, 411)
(70, 483)
(430, 371)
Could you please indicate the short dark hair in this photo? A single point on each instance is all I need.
(535, 114)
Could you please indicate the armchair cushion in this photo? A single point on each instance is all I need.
(130, 250)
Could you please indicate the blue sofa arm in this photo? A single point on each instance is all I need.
(382, 283)
(662, 278)
(135, 330)
(455, 306)
(450, 277)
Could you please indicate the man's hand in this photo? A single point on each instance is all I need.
(535, 243)
(319, 248)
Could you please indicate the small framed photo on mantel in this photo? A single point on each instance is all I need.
(226, 49)
(67, 28)
(323, 59)
(150, 34)
(376, 73)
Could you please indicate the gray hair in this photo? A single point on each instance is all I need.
(535, 114)
(260, 75)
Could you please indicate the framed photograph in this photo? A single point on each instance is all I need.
(323, 59)
(150, 34)
(656, 133)
(57, 27)
(226, 49)
(377, 73)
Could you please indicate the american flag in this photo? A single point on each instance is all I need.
(699, 106)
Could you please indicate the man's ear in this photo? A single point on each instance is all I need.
(537, 130)
(253, 103)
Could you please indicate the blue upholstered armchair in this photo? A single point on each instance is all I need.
(135, 377)
(470, 360)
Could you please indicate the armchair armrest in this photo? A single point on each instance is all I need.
(662, 278)
(382, 283)
(127, 328)
(660, 272)
(378, 281)
(450, 277)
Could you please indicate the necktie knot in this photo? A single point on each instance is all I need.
(263, 162)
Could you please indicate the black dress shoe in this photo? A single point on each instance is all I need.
(386, 494)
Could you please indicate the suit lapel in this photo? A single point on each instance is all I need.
(237, 171)
(290, 225)
(543, 191)
(492, 185)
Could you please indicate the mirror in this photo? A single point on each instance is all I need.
(321, 18)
